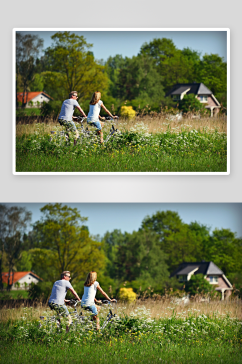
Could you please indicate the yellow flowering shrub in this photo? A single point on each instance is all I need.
(127, 294)
(127, 112)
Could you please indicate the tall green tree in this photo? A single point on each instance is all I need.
(140, 257)
(213, 73)
(177, 240)
(111, 243)
(140, 79)
(27, 49)
(73, 67)
(225, 250)
(63, 243)
(13, 224)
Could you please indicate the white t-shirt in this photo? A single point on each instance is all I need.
(90, 294)
(59, 291)
(67, 109)
(94, 110)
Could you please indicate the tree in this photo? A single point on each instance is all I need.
(111, 243)
(72, 67)
(140, 79)
(13, 223)
(160, 49)
(177, 240)
(213, 73)
(113, 67)
(198, 285)
(225, 250)
(172, 64)
(27, 48)
(63, 243)
(140, 257)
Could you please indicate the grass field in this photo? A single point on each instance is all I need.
(147, 145)
(14, 294)
(150, 332)
(28, 112)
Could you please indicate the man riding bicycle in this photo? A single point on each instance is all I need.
(66, 114)
(57, 299)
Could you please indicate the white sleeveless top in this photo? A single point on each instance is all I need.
(94, 111)
(89, 294)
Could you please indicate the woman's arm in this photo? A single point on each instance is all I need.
(108, 112)
(103, 293)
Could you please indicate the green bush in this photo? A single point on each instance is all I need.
(41, 290)
(191, 103)
(51, 108)
(198, 285)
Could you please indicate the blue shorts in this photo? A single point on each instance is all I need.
(92, 308)
(58, 308)
(92, 122)
(68, 124)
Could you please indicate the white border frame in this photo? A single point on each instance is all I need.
(114, 30)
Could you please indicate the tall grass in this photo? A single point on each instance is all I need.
(148, 145)
(155, 124)
(145, 332)
(164, 308)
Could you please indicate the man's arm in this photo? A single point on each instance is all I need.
(74, 293)
(81, 111)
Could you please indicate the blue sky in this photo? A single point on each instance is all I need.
(128, 43)
(104, 217)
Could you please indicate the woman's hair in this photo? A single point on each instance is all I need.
(91, 278)
(95, 98)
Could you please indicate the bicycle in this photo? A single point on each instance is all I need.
(85, 133)
(79, 321)
(108, 320)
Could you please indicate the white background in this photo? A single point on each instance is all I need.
(125, 14)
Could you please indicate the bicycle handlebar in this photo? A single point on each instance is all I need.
(82, 118)
(108, 302)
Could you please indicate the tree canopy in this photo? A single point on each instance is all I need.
(69, 64)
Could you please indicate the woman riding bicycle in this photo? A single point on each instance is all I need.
(94, 111)
(88, 299)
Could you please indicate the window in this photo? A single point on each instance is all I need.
(203, 98)
(213, 279)
(182, 278)
(176, 97)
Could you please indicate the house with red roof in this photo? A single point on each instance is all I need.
(33, 99)
(21, 278)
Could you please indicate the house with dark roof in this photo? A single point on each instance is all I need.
(201, 92)
(22, 279)
(211, 273)
(33, 99)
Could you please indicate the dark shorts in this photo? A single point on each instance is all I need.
(69, 125)
(58, 308)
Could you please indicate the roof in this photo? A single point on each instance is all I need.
(195, 88)
(188, 269)
(31, 95)
(17, 276)
(205, 268)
